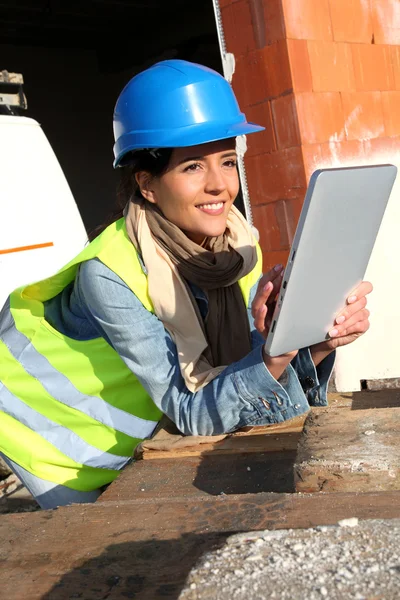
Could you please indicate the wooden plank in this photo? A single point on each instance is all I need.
(170, 443)
(145, 549)
(389, 398)
(349, 450)
(392, 383)
(381, 398)
(212, 474)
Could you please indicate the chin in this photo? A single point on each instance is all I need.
(208, 230)
(215, 232)
(215, 229)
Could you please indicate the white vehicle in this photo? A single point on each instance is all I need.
(40, 226)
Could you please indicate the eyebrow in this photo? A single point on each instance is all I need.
(189, 158)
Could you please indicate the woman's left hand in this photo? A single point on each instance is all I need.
(351, 322)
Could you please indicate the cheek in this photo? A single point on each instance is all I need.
(181, 196)
(232, 185)
(176, 204)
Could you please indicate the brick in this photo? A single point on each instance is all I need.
(373, 67)
(295, 178)
(276, 176)
(267, 225)
(349, 152)
(277, 68)
(382, 149)
(263, 73)
(320, 117)
(331, 66)
(276, 223)
(274, 21)
(386, 21)
(299, 65)
(363, 115)
(249, 79)
(264, 141)
(265, 177)
(229, 28)
(238, 28)
(391, 112)
(285, 122)
(270, 259)
(395, 51)
(312, 157)
(284, 215)
(223, 3)
(258, 21)
(351, 20)
(307, 19)
(297, 205)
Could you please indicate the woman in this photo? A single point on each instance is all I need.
(164, 312)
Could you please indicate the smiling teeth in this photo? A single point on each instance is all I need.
(215, 206)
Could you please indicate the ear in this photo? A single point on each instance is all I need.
(144, 179)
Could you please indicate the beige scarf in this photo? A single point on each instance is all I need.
(171, 259)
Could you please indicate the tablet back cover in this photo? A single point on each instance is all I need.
(338, 225)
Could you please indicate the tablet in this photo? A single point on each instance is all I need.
(338, 225)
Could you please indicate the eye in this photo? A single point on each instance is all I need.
(231, 163)
(192, 167)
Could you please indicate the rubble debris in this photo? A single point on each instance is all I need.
(353, 562)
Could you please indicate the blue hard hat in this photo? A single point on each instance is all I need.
(173, 104)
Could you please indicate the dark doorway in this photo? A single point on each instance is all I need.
(77, 55)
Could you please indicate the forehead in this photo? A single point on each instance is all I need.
(204, 150)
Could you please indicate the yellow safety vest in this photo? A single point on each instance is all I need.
(71, 411)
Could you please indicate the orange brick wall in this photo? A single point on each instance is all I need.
(323, 77)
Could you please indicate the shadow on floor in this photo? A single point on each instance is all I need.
(246, 473)
(145, 570)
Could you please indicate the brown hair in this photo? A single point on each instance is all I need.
(154, 162)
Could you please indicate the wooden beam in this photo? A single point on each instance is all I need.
(349, 450)
(145, 549)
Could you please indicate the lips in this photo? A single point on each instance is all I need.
(212, 208)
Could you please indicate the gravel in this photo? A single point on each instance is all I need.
(352, 560)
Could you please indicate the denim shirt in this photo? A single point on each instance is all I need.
(99, 303)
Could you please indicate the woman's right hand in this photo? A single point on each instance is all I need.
(262, 310)
(263, 305)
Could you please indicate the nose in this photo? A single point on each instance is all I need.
(215, 182)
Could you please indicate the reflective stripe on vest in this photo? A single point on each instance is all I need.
(63, 439)
(62, 390)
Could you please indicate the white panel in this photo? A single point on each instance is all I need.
(376, 355)
(37, 207)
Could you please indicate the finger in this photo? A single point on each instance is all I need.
(259, 321)
(264, 292)
(360, 328)
(363, 289)
(270, 276)
(276, 289)
(341, 331)
(261, 297)
(361, 315)
(270, 314)
(350, 310)
(257, 306)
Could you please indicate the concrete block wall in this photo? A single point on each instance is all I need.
(323, 77)
(255, 34)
